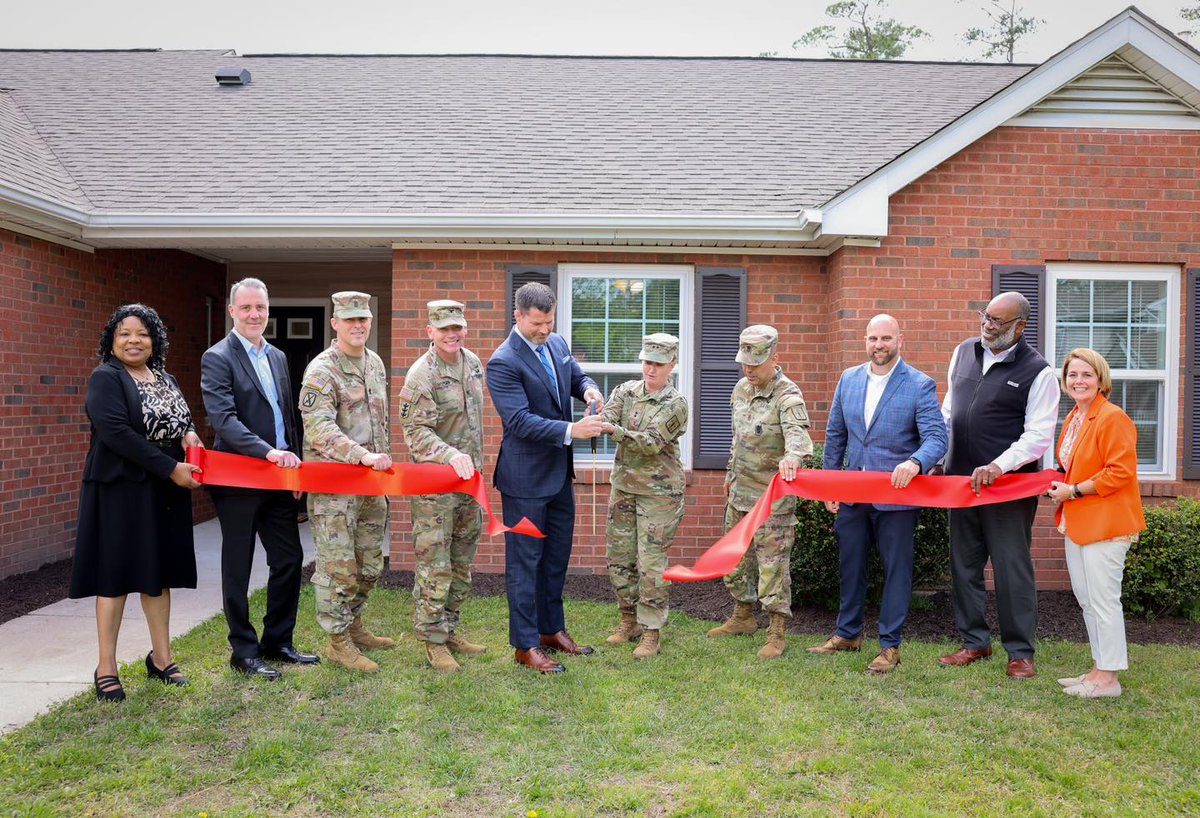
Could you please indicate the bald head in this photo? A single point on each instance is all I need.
(1004, 321)
(883, 341)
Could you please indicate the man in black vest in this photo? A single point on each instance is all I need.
(1000, 408)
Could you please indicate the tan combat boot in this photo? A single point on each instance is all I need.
(776, 643)
(627, 631)
(648, 646)
(741, 622)
(342, 651)
(459, 644)
(440, 659)
(365, 640)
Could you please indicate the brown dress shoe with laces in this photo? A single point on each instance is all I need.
(536, 659)
(1021, 669)
(964, 657)
(563, 643)
(885, 662)
(834, 644)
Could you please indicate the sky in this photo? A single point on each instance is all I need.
(599, 27)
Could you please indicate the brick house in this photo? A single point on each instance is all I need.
(691, 195)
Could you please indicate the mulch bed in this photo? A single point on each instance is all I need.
(930, 620)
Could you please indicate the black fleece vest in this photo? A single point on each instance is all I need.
(987, 412)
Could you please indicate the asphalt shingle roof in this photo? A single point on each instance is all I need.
(151, 132)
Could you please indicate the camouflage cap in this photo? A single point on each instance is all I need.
(349, 304)
(659, 348)
(446, 313)
(757, 344)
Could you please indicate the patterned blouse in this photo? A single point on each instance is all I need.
(164, 410)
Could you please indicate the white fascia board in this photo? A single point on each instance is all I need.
(856, 211)
(1108, 122)
(48, 213)
(671, 249)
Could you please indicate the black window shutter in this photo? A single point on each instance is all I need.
(720, 317)
(518, 275)
(1191, 380)
(1030, 281)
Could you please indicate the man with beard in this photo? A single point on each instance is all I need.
(884, 418)
(1001, 408)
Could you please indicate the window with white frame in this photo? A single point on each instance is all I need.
(1130, 315)
(603, 312)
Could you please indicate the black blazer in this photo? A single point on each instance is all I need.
(119, 449)
(238, 408)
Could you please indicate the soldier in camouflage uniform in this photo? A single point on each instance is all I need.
(343, 400)
(646, 418)
(770, 435)
(441, 414)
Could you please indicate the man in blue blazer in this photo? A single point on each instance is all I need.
(532, 378)
(248, 398)
(884, 418)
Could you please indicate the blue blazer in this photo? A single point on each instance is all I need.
(533, 460)
(907, 423)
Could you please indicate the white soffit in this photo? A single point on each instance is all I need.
(862, 209)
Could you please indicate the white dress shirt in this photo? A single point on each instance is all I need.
(875, 386)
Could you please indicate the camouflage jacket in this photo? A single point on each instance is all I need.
(647, 438)
(441, 409)
(768, 424)
(345, 414)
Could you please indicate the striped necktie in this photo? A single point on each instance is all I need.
(544, 357)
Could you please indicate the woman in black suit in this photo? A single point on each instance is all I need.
(135, 512)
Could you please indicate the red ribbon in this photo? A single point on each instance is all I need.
(855, 487)
(404, 479)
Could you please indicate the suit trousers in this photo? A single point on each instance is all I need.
(271, 516)
(1096, 572)
(859, 527)
(1003, 532)
(535, 569)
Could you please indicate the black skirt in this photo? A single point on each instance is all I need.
(133, 537)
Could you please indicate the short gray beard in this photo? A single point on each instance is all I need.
(1003, 341)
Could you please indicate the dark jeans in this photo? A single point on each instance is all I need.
(536, 569)
(859, 527)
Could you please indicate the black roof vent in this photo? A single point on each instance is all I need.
(232, 76)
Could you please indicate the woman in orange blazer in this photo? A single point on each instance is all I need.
(1099, 512)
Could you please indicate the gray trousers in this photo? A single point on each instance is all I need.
(1003, 532)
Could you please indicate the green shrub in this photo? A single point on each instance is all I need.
(816, 573)
(1162, 569)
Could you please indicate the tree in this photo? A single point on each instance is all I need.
(1191, 13)
(864, 35)
(1007, 27)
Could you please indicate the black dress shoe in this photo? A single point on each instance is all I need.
(254, 666)
(290, 656)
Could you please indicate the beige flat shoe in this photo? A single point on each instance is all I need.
(1084, 690)
(1071, 681)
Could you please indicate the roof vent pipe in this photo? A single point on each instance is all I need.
(232, 76)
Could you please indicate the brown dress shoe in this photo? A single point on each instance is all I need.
(834, 644)
(964, 657)
(885, 662)
(535, 658)
(1021, 669)
(563, 643)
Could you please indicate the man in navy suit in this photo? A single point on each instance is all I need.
(248, 398)
(885, 417)
(532, 378)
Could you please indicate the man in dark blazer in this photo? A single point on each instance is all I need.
(532, 378)
(884, 418)
(248, 398)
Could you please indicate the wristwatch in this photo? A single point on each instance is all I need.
(918, 462)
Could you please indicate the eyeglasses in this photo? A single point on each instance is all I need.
(984, 318)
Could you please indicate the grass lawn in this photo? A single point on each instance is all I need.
(705, 729)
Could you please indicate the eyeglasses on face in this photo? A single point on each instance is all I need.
(991, 320)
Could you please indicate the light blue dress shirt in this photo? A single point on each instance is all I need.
(262, 366)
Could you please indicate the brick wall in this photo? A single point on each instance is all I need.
(54, 301)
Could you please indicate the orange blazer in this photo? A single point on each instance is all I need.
(1106, 452)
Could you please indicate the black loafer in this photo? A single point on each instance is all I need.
(169, 675)
(254, 666)
(290, 656)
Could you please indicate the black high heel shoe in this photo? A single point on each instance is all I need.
(169, 675)
(108, 688)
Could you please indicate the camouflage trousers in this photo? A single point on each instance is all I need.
(446, 531)
(640, 530)
(349, 532)
(765, 573)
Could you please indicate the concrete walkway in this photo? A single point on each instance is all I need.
(49, 655)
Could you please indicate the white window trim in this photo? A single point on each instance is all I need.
(1172, 275)
(685, 274)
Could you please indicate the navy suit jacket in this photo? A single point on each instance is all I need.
(533, 460)
(238, 408)
(907, 423)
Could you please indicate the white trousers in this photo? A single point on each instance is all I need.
(1096, 573)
